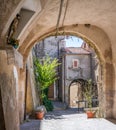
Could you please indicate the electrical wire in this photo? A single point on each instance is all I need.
(59, 16)
(65, 12)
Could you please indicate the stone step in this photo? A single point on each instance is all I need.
(59, 105)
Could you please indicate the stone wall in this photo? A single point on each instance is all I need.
(82, 72)
(2, 122)
(32, 92)
(102, 34)
(8, 93)
(21, 93)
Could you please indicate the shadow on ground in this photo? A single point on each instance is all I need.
(34, 124)
(58, 114)
(112, 120)
(31, 125)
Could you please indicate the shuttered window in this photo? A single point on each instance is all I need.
(75, 63)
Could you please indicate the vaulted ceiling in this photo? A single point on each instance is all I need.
(99, 13)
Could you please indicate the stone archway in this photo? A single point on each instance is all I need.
(96, 38)
(102, 39)
(75, 92)
(76, 97)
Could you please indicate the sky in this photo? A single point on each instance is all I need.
(73, 41)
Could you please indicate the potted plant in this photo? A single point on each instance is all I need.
(88, 95)
(46, 75)
(40, 112)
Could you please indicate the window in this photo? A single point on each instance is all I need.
(75, 63)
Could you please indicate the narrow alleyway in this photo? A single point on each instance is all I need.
(68, 119)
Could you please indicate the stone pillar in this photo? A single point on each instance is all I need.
(21, 97)
(2, 122)
(32, 99)
(8, 93)
(109, 91)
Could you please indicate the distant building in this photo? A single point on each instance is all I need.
(76, 63)
(51, 46)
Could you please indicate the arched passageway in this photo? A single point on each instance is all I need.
(76, 94)
(102, 80)
(103, 62)
(83, 54)
(100, 53)
(99, 34)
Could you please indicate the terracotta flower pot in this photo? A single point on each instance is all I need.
(40, 115)
(90, 114)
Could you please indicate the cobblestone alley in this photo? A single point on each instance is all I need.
(68, 120)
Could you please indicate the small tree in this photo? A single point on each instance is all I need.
(88, 93)
(45, 71)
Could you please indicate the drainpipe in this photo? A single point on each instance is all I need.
(58, 73)
(91, 66)
(26, 80)
(64, 75)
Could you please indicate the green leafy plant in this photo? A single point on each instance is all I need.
(45, 71)
(48, 104)
(88, 93)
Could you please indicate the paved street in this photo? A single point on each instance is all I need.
(68, 120)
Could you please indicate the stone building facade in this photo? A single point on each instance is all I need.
(76, 63)
(51, 46)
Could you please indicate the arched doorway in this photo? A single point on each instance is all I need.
(75, 94)
(76, 88)
(76, 97)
